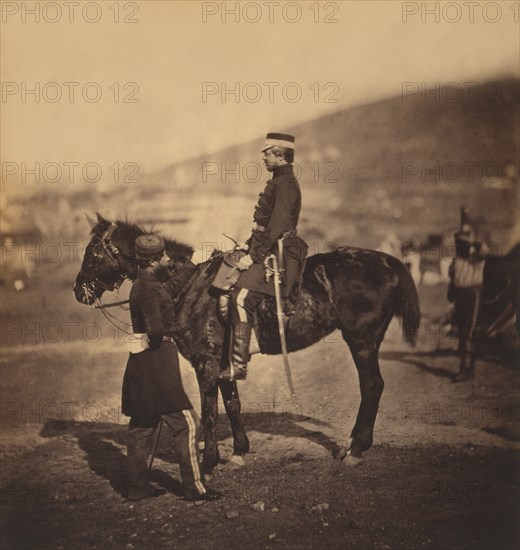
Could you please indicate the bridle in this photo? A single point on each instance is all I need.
(105, 247)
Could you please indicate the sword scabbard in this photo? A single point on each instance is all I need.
(281, 328)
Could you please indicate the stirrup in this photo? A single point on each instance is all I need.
(234, 372)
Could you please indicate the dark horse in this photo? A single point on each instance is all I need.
(501, 292)
(498, 305)
(356, 291)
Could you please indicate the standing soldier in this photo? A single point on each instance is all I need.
(467, 277)
(152, 385)
(275, 217)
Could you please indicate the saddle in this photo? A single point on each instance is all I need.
(228, 273)
(227, 277)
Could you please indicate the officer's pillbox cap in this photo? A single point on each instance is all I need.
(149, 246)
(282, 140)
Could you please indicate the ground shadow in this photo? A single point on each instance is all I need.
(104, 458)
(508, 357)
(102, 442)
(284, 424)
(420, 360)
(99, 441)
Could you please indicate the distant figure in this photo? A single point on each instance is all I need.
(391, 244)
(466, 282)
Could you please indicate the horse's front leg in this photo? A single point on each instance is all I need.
(208, 397)
(232, 405)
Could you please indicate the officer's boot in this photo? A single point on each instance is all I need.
(467, 368)
(223, 305)
(237, 370)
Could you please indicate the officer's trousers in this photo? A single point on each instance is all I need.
(184, 425)
(244, 303)
(467, 304)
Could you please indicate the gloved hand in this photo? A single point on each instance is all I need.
(241, 246)
(245, 263)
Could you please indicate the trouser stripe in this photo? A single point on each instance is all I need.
(192, 431)
(241, 308)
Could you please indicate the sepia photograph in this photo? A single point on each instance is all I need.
(260, 274)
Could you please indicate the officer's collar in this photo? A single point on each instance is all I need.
(282, 170)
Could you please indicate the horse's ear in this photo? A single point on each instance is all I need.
(90, 221)
(100, 218)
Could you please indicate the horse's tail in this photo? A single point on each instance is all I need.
(408, 305)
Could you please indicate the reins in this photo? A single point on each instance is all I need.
(92, 280)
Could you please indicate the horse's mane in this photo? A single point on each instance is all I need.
(129, 231)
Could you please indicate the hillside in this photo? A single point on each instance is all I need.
(393, 165)
(406, 161)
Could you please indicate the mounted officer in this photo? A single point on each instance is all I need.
(275, 217)
(152, 384)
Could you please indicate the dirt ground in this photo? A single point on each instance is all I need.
(443, 471)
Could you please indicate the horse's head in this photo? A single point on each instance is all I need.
(109, 259)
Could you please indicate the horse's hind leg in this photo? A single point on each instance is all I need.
(371, 385)
(232, 405)
(208, 398)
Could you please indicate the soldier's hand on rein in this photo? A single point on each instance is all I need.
(245, 263)
(241, 246)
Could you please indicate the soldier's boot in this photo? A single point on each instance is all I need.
(237, 369)
(467, 368)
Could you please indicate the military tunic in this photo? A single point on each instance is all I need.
(152, 384)
(276, 215)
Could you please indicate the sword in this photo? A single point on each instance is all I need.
(275, 271)
(156, 444)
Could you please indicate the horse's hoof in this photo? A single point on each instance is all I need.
(342, 453)
(235, 462)
(351, 461)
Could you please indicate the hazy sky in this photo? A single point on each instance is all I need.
(170, 52)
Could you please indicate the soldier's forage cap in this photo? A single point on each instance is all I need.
(149, 246)
(282, 140)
